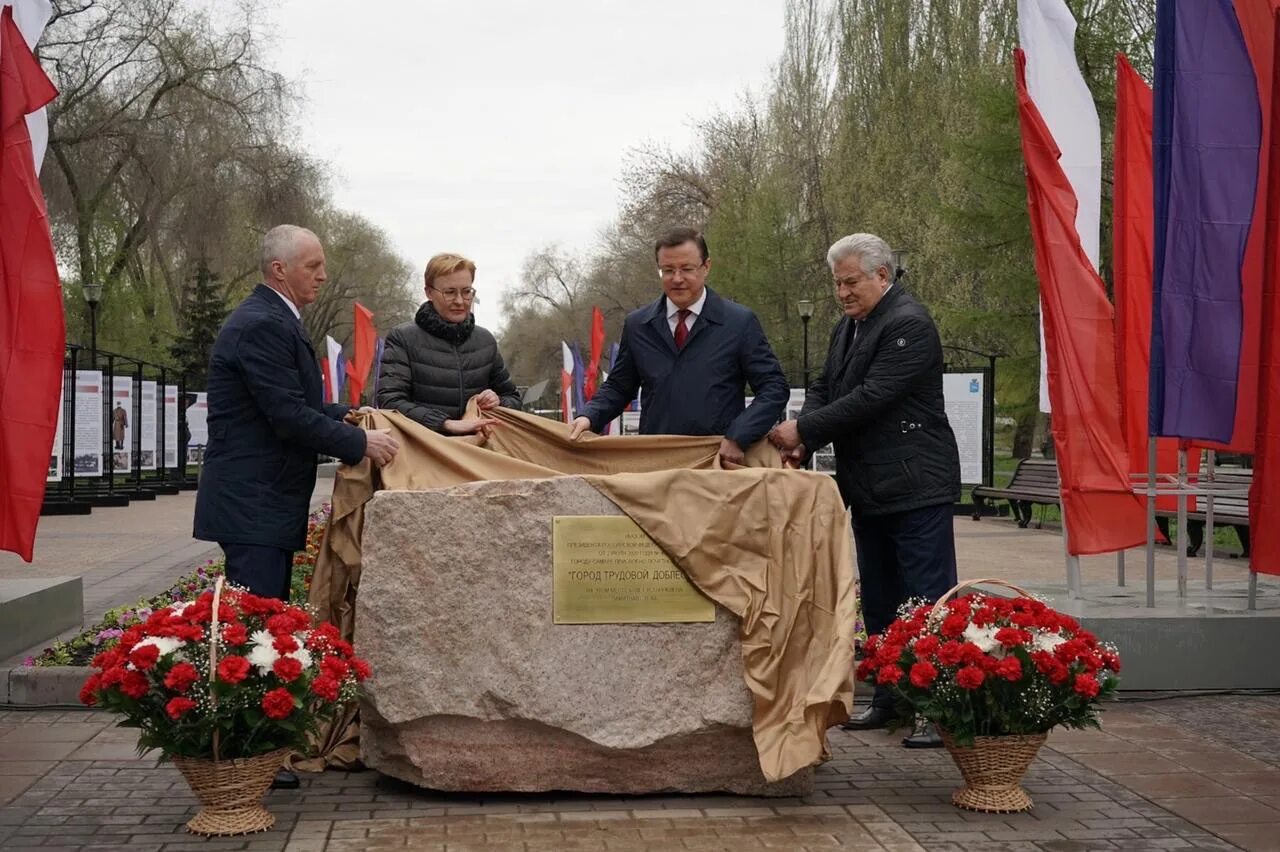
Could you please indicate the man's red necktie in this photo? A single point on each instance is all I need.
(682, 330)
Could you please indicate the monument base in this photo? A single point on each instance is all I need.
(476, 688)
(460, 754)
(36, 609)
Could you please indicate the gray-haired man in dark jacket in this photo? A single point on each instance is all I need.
(879, 401)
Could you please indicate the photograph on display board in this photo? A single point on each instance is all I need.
(122, 424)
(197, 426)
(148, 420)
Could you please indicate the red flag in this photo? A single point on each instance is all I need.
(32, 334)
(597, 350)
(1134, 240)
(366, 341)
(1100, 512)
(1264, 494)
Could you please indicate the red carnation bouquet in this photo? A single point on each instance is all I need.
(987, 666)
(259, 676)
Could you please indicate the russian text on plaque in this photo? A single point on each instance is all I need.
(606, 570)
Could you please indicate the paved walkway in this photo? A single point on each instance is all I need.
(1161, 775)
(1186, 773)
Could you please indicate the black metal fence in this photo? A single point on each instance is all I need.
(124, 436)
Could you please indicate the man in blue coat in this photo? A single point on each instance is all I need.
(691, 354)
(268, 420)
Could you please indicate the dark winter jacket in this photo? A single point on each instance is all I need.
(267, 422)
(431, 367)
(879, 401)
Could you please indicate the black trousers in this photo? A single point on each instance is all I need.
(264, 571)
(901, 556)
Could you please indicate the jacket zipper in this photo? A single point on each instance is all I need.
(462, 391)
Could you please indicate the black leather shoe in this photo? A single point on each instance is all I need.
(285, 780)
(924, 736)
(870, 719)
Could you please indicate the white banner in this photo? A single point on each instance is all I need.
(121, 423)
(170, 426)
(87, 452)
(963, 394)
(197, 427)
(149, 414)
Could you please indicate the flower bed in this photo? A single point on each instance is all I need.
(79, 650)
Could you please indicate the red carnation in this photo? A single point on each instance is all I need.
(1044, 661)
(335, 668)
(1111, 661)
(284, 643)
(1087, 685)
(287, 669)
(129, 638)
(1010, 668)
(927, 646)
(134, 684)
(1059, 674)
(235, 634)
(343, 647)
(89, 692)
(866, 668)
(971, 653)
(177, 706)
(953, 625)
(106, 659)
(278, 703)
(889, 674)
(144, 657)
(323, 634)
(923, 675)
(361, 668)
(326, 687)
(888, 654)
(233, 669)
(1012, 637)
(181, 676)
(112, 676)
(970, 677)
(950, 653)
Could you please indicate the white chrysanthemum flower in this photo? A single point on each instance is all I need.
(302, 655)
(166, 644)
(983, 637)
(1047, 641)
(264, 654)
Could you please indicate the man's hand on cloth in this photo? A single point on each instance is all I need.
(380, 448)
(487, 400)
(731, 453)
(786, 437)
(578, 426)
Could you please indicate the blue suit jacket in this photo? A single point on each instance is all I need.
(698, 390)
(267, 421)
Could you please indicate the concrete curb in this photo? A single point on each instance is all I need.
(39, 686)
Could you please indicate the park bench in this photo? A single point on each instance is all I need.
(1034, 482)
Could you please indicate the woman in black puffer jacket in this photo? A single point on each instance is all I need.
(433, 365)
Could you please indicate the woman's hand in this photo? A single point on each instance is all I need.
(470, 426)
(487, 400)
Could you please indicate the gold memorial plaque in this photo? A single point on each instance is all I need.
(607, 571)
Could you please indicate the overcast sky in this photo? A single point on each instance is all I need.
(493, 128)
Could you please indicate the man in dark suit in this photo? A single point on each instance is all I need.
(691, 354)
(267, 422)
(879, 401)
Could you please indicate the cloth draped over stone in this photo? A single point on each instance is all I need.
(770, 545)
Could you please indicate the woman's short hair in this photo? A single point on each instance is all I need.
(447, 264)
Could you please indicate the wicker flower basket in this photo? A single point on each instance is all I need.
(230, 792)
(993, 768)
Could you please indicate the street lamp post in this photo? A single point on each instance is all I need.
(92, 295)
(805, 308)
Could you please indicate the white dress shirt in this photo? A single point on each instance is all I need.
(673, 313)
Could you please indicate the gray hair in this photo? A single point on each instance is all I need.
(872, 251)
(281, 243)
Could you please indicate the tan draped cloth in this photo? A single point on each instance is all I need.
(770, 545)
